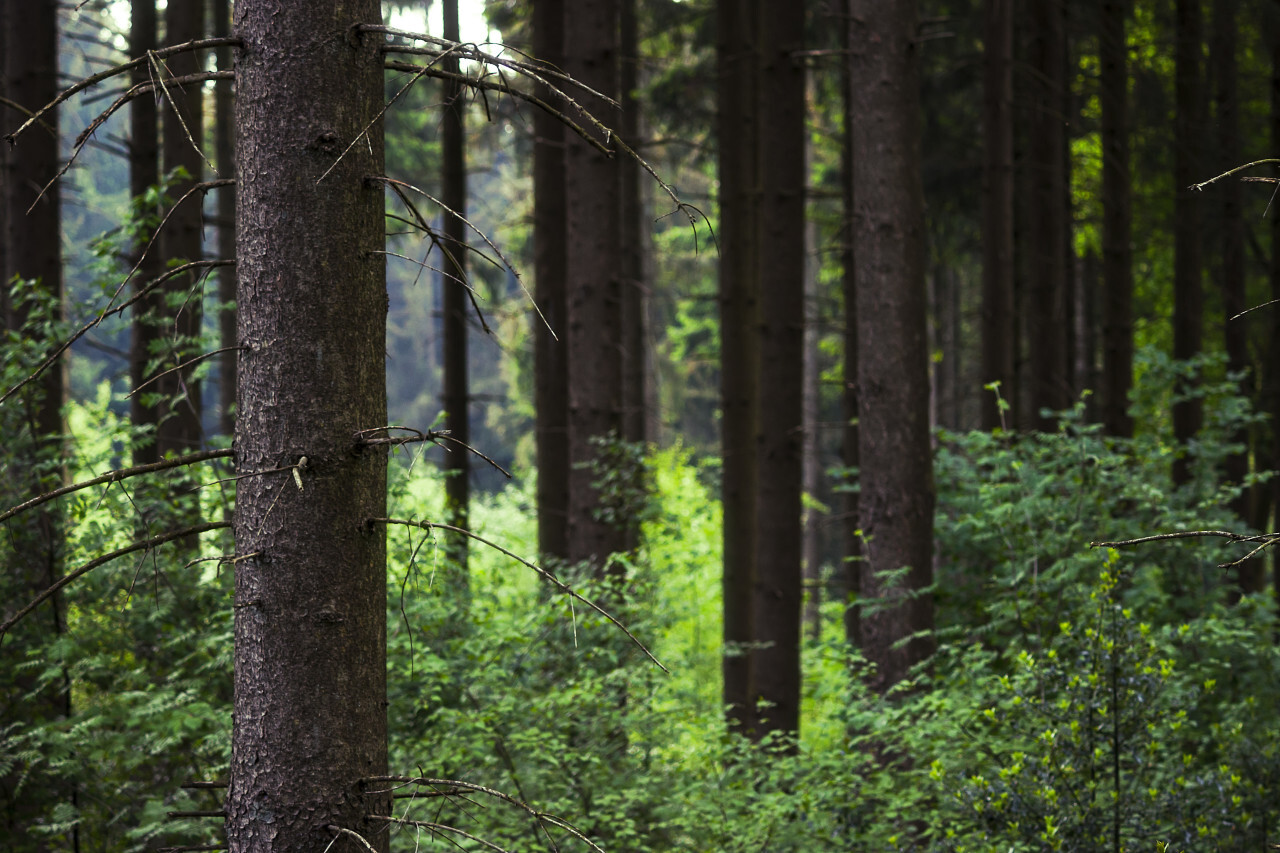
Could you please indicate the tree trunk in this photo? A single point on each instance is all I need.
(780, 428)
(851, 552)
(224, 154)
(453, 179)
(736, 130)
(1188, 294)
(999, 323)
(632, 210)
(1046, 233)
(1117, 254)
(551, 378)
(179, 427)
(310, 603)
(896, 504)
(594, 285)
(32, 545)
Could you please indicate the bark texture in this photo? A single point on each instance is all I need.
(310, 603)
(736, 130)
(896, 504)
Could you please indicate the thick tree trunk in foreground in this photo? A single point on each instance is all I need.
(736, 130)
(551, 378)
(1117, 254)
(780, 429)
(896, 504)
(457, 462)
(310, 604)
(999, 323)
(1188, 293)
(594, 283)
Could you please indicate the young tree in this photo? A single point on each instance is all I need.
(896, 501)
(310, 601)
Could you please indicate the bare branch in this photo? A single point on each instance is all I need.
(142, 545)
(1200, 186)
(117, 476)
(548, 576)
(434, 436)
(80, 86)
(439, 827)
(184, 364)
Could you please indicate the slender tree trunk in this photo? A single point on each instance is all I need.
(224, 154)
(811, 453)
(896, 504)
(179, 427)
(1188, 294)
(1117, 265)
(551, 379)
(144, 175)
(593, 283)
(1046, 233)
(31, 552)
(737, 130)
(631, 198)
(780, 428)
(999, 323)
(457, 464)
(851, 552)
(310, 602)
(1273, 361)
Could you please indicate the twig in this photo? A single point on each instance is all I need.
(357, 836)
(142, 545)
(1267, 540)
(439, 827)
(434, 436)
(555, 581)
(1200, 186)
(186, 363)
(117, 476)
(218, 813)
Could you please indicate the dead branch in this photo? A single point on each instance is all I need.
(116, 476)
(1200, 186)
(435, 436)
(1266, 539)
(184, 364)
(81, 85)
(439, 828)
(548, 576)
(141, 545)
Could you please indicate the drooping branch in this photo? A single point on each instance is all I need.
(546, 575)
(1267, 540)
(120, 474)
(488, 792)
(141, 545)
(81, 85)
(435, 436)
(108, 311)
(185, 364)
(440, 828)
(1200, 186)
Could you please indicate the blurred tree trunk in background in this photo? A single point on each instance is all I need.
(1188, 293)
(551, 379)
(1117, 253)
(453, 181)
(896, 504)
(633, 225)
(1045, 306)
(737, 129)
(224, 157)
(999, 322)
(780, 425)
(31, 550)
(851, 549)
(594, 284)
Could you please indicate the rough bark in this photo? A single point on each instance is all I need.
(780, 428)
(594, 284)
(457, 464)
(310, 601)
(1046, 309)
(999, 324)
(896, 504)
(551, 379)
(1188, 293)
(1117, 253)
(736, 131)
